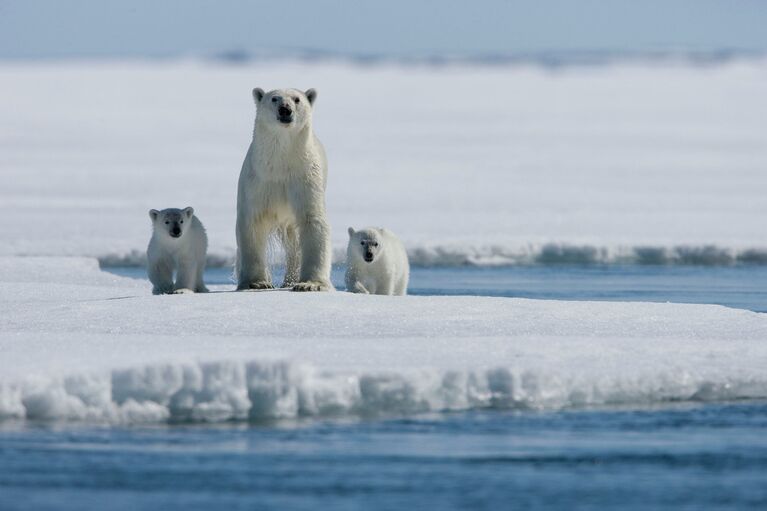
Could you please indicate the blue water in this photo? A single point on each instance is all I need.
(674, 456)
(741, 286)
(681, 457)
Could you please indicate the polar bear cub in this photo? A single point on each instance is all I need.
(376, 263)
(178, 244)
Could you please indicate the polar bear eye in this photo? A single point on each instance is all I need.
(182, 221)
(362, 242)
(375, 244)
(274, 100)
(297, 100)
(166, 222)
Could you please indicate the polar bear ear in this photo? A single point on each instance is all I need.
(189, 211)
(311, 95)
(153, 214)
(258, 94)
(351, 231)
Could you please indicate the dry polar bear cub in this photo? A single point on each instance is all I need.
(282, 191)
(179, 244)
(376, 263)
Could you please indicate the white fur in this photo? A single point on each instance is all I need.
(282, 191)
(388, 272)
(185, 254)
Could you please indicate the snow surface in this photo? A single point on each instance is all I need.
(80, 344)
(467, 164)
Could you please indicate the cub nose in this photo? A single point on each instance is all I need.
(175, 231)
(284, 111)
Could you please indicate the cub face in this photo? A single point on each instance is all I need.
(172, 222)
(287, 109)
(366, 243)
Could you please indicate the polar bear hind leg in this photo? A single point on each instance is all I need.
(199, 287)
(289, 237)
(401, 287)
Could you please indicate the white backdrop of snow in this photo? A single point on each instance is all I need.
(80, 344)
(483, 165)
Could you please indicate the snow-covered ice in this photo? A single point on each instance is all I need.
(77, 343)
(468, 164)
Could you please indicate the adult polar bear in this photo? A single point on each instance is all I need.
(282, 191)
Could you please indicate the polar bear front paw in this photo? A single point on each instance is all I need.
(312, 285)
(259, 284)
(183, 291)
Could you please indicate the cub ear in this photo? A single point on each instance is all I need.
(351, 231)
(189, 211)
(258, 94)
(311, 95)
(153, 214)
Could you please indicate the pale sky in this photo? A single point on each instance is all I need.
(167, 28)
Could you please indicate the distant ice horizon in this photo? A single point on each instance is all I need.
(551, 59)
(548, 59)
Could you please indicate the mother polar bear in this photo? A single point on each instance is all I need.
(282, 191)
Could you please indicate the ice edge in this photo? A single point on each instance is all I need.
(532, 254)
(256, 390)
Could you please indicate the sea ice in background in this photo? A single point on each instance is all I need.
(652, 162)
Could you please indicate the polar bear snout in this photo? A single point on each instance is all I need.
(285, 114)
(175, 231)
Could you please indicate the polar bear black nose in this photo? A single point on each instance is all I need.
(284, 111)
(175, 232)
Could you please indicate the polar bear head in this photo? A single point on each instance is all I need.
(285, 109)
(366, 244)
(171, 222)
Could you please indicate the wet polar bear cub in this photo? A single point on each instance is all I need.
(179, 244)
(376, 263)
(281, 191)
